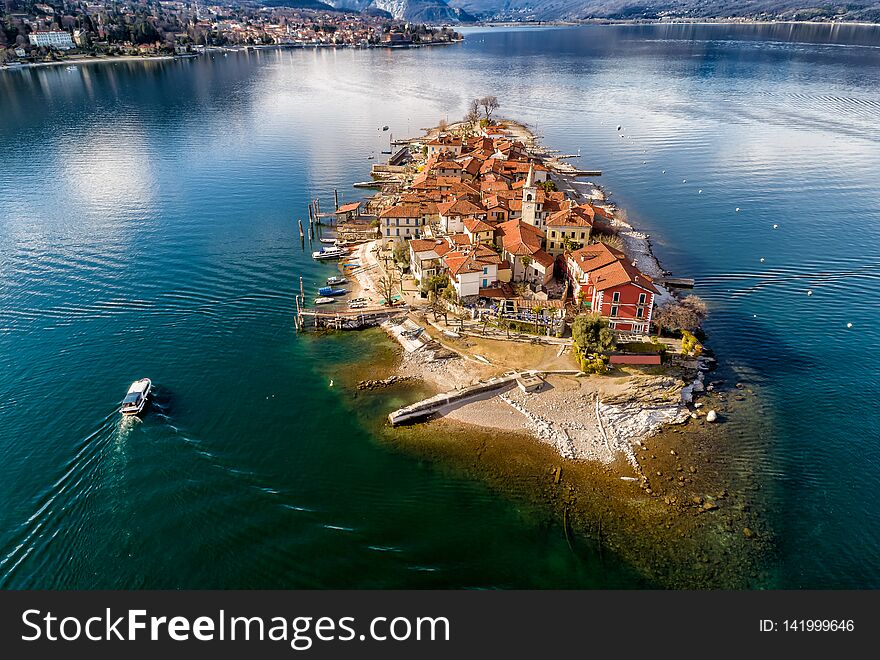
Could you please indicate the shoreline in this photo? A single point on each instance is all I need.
(97, 60)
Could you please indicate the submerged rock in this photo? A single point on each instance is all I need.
(711, 416)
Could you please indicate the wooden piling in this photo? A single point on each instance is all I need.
(336, 197)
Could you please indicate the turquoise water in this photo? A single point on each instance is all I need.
(147, 227)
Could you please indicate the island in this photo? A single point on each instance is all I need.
(543, 338)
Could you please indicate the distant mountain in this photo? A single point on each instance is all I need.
(298, 4)
(416, 11)
(551, 10)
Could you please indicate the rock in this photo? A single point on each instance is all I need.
(709, 506)
(692, 469)
(748, 533)
(672, 452)
(711, 416)
(696, 499)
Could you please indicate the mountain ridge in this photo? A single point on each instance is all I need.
(551, 10)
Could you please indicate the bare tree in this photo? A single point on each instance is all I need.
(442, 125)
(490, 104)
(473, 113)
(386, 288)
(687, 314)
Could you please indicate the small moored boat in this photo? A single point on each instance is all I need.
(330, 291)
(136, 398)
(357, 305)
(334, 252)
(328, 241)
(336, 279)
(324, 301)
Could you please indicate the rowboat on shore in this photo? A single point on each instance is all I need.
(328, 241)
(330, 291)
(324, 301)
(336, 279)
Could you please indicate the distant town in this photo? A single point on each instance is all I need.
(36, 32)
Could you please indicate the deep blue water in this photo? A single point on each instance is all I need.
(147, 227)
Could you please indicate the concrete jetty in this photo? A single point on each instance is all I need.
(429, 406)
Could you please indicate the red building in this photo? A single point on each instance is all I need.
(605, 282)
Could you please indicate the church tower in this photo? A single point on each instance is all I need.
(530, 200)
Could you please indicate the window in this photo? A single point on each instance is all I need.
(388, 231)
(616, 297)
(614, 310)
(485, 283)
(642, 297)
(552, 234)
(398, 231)
(640, 312)
(552, 245)
(582, 236)
(485, 271)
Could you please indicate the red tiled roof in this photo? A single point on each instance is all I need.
(621, 272)
(473, 225)
(519, 238)
(401, 211)
(346, 208)
(595, 256)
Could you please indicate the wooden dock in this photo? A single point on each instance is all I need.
(354, 319)
(677, 282)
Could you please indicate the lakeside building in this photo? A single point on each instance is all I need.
(604, 281)
(52, 39)
(485, 213)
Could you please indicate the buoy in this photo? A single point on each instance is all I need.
(754, 316)
(619, 127)
(644, 162)
(684, 180)
(737, 209)
(809, 292)
(775, 226)
(700, 191)
(849, 325)
(331, 382)
(762, 259)
(663, 172)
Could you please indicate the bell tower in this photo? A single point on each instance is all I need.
(530, 200)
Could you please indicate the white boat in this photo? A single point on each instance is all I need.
(357, 305)
(136, 398)
(329, 253)
(328, 241)
(324, 300)
(336, 279)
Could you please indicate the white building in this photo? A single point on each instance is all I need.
(51, 39)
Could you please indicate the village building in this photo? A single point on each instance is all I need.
(570, 225)
(479, 231)
(348, 212)
(521, 249)
(453, 214)
(471, 269)
(425, 258)
(401, 222)
(603, 281)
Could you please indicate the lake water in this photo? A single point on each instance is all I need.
(147, 227)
